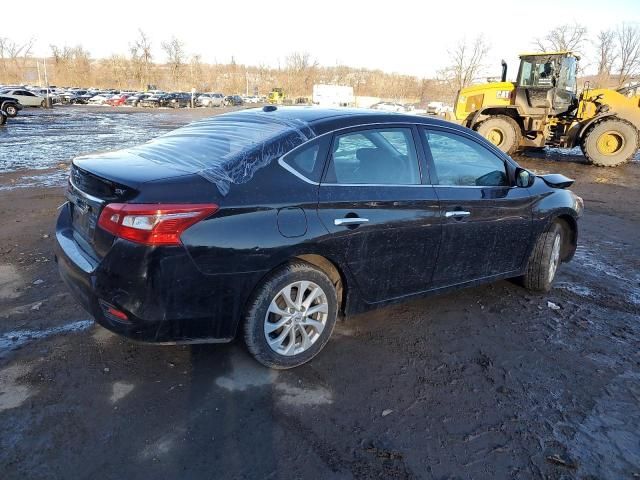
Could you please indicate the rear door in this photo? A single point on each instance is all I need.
(486, 221)
(381, 210)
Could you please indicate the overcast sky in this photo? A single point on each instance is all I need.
(392, 35)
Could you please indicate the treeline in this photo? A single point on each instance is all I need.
(614, 54)
(74, 66)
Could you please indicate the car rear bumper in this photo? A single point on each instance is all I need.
(165, 297)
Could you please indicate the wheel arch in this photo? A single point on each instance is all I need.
(570, 228)
(331, 270)
(326, 265)
(585, 126)
(485, 113)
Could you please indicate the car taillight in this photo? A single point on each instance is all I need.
(152, 224)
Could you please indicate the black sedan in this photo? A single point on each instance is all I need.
(177, 100)
(135, 99)
(269, 223)
(233, 101)
(153, 101)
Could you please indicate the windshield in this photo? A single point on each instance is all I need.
(567, 79)
(537, 72)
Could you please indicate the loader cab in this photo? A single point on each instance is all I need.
(547, 83)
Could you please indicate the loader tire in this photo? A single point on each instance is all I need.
(610, 142)
(502, 131)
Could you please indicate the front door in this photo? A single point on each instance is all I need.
(486, 221)
(384, 219)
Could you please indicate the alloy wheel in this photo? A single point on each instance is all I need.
(296, 318)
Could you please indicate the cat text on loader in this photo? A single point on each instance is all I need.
(543, 108)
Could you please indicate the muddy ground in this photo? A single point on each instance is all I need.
(485, 383)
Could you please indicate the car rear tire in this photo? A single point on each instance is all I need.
(291, 316)
(502, 131)
(610, 142)
(11, 111)
(44, 104)
(544, 260)
(3, 119)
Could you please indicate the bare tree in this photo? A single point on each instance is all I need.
(301, 69)
(195, 71)
(563, 38)
(119, 69)
(14, 57)
(628, 42)
(174, 49)
(72, 65)
(141, 59)
(605, 46)
(466, 63)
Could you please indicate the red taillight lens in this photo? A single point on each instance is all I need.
(149, 224)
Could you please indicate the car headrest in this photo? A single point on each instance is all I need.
(368, 156)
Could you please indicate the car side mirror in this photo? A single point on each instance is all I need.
(524, 178)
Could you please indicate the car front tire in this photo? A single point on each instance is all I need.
(544, 260)
(291, 316)
(11, 111)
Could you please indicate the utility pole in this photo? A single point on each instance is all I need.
(47, 101)
(39, 77)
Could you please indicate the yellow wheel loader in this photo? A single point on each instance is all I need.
(276, 96)
(542, 108)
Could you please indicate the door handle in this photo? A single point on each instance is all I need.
(350, 221)
(456, 213)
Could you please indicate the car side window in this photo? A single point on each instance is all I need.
(308, 159)
(460, 161)
(375, 156)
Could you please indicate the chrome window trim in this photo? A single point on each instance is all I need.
(302, 177)
(398, 124)
(84, 194)
(374, 185)
(292, 170)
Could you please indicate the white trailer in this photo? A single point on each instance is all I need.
(333, 96)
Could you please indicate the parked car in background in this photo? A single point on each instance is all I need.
(210, 100)
(276, 220)
(438, 108)
(389, 107)
(84, 98)
(151, 101)
(176, 100)
(233, 100)
(117, 100)
(100, 99)
(9, 106)
(25, 97)
(54, 94)
(134, 100)
(72, 95)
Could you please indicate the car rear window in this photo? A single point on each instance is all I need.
(226, 149)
